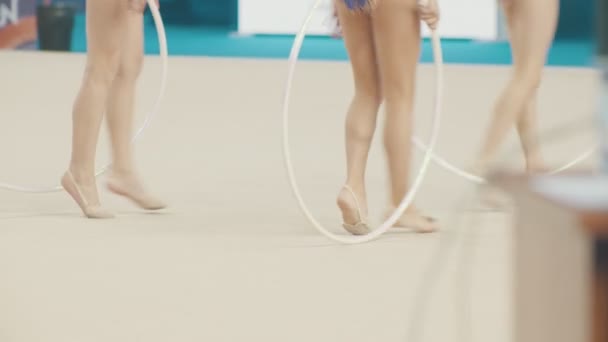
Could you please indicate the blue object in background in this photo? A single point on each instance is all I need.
(576, 20)
(78, 4)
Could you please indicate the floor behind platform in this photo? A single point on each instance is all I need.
(233, 259)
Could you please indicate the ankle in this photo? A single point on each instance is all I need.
(123, 172)
(358, 188)
(398, 193)
(125, 179)
(396, 202)
(535, 164)
(354, 200)
(82, 175)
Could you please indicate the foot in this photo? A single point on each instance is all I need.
(413, 219)
(489, 198)
(493, 199)
(353, 214)
(129, 186)
(536, 167)
(85, 195)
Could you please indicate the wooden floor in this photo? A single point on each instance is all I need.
(233, 259)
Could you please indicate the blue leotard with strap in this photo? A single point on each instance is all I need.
(356, 4)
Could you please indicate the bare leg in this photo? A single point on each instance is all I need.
(396, 27)
(362, 114)
(527, 126)
(121, 108)
(104, 26)
(532, 27)
(121, 102)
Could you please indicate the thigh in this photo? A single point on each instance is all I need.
(359, 41)
(396, 28)
(105, 27)
(132, 47)
(532, 26)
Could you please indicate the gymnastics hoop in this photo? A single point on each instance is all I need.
(439, 160)
(409, 197)
(162, 42)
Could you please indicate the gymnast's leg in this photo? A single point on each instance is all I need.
(123, 179)
(527, 129)
(532, 27)
(361, 117)
(105, 26)
(527, 124)
(396, 26)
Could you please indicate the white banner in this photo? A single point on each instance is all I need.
(466, 19)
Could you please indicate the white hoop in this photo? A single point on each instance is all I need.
(409, 197)
(162, 41)
(479, 180)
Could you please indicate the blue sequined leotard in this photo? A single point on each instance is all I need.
(358, 5)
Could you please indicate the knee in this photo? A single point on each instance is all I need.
(361, 130)
(521, 88)
(531, 82)
(528, 78)
(369, 92)
(130, 68)
(101, 70)
(398, 92)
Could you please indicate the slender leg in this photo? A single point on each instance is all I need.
(363, 110)
(396, 27)
(532, 27)
(527, 129)
(121, 102)
(121, 109)
(527, 125)
(105, 24)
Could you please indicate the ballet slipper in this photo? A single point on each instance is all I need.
(415, 221)
(129, 187)
(360, 227)
(91, 211)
